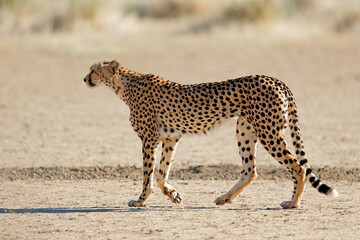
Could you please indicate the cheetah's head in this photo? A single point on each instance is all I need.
(102, 72)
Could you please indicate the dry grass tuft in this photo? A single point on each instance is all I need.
(39, 16)
(167, 8)
(347, 21)
(251, 11)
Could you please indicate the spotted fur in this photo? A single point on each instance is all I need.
(164, 111)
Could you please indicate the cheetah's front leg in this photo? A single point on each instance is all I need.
(168, 150)
(149, 151)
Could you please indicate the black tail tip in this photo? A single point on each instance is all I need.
(328, 191)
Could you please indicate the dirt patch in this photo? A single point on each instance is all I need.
(212, 172)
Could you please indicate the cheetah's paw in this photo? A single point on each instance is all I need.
(222, 200)
(175, 197)
(288, 204)
(137, 203)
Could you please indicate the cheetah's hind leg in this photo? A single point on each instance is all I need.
(247, 143)
(282, 154)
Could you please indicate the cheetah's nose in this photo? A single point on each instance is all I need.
(84, 79)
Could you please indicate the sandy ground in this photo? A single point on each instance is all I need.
(98, 210)
(50, 120)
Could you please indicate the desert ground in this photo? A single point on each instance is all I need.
(70, 162)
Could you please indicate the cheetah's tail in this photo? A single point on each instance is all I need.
(299, 150)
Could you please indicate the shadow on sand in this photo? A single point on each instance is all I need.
(72, 210)
(125, 209)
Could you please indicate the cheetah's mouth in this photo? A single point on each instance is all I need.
(91, 84)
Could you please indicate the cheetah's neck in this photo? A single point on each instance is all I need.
(121, 83)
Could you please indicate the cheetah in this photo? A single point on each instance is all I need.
(164, 111)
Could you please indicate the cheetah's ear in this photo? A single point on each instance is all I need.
(114, 66)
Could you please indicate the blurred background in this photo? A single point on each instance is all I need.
(48, 116)
(290, 18)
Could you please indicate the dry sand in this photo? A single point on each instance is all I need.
(55, 133)
(98, 210)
